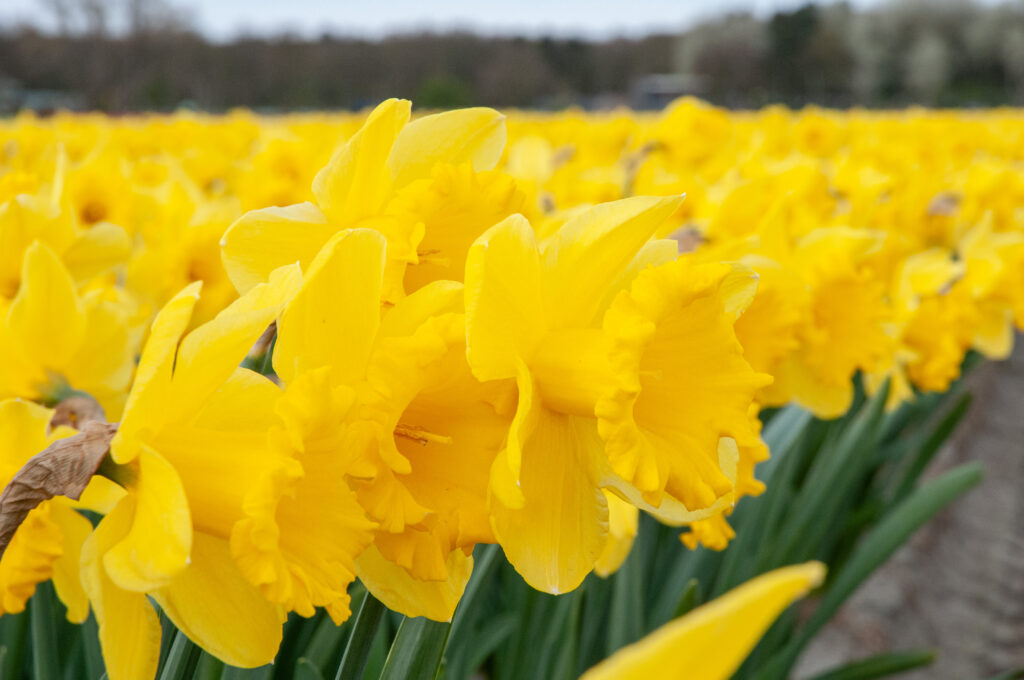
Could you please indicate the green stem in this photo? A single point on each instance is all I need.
(44, 633)
(357, 652)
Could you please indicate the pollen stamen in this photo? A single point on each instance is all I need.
(421, 435)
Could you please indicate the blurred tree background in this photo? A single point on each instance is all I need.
(932, 52)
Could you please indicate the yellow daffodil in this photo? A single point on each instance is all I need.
(535, 315)
(55, 339)
(360, 185)
(26, 219)
(421, 430)
(218, 518)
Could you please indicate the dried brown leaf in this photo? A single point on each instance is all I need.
(64, 468)
(76, 412)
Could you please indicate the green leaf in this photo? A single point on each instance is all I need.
(465, 645)
(209, 668)
(626, 623)
(497, 629)
(353, 663)
(307, 670)
(90, 633)
(782, 434)
(567, 643)
(327, 643)
(788, 440)
(45, 646)
(167, 634)
(261, 673)
(182, 660)
(380, 648)
(13, 635)
(879, 666)
(1009, 675)
(417, 650)
(689, 600)
(597, 593)
(891, 533)
(483, 570)
(914, 465)
(835, 475)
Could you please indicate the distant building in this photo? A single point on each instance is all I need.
(657, 90)
(14, 98)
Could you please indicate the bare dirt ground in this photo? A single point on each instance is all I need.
(958, 587)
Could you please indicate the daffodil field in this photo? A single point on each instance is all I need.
(473, 395)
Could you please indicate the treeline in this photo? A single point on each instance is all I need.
(952, 52)
(159, 70)
(933, 52)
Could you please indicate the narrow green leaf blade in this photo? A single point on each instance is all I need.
(417, 650)
(45, 647)
(353, 663)
(880, 666)
(1017, 674)
(182, 660)
(307, 670)
(689, 599)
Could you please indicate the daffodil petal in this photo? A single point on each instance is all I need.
(244, 402)
(211, 353)
(994, 337)
(97, 250)
(356, 181)
(558, 534)
(333, 319)
(588, 254)
(219, 610)
(151, 389)
(157, 546)
(103, 361)
(74, 529)
(260, 241)
(29, 558)
(46, 316)
(23, 427)
(712, 641)
(504, 299)
(412, 311)
(400, 592)
(475, 136)
(129, 626)
(623, 519)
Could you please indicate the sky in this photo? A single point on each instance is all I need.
(223, 19)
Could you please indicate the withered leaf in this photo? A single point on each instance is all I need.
(64, 468)
(76, 412)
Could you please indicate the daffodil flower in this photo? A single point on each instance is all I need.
(218, 522)
(629, 377)
(54, 339)
(420, 431)
(27, 218)
(367, 184)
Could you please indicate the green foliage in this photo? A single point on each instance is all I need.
(879, 666)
